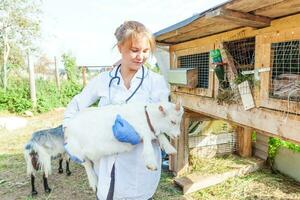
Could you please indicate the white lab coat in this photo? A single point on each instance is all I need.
(132, 179)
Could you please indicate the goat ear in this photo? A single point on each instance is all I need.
(162, 110)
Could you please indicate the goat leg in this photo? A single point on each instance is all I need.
(148, 153)
(165, 144)
(60, 169)
(68, 167)
(33, 191)
(46, 186)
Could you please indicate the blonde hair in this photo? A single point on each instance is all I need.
(130, 30)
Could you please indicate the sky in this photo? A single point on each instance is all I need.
(86, 27)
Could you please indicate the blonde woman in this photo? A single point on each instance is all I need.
(125, 176)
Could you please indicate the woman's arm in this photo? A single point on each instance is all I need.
(87, 97)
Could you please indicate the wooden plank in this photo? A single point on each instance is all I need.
(183, 148)
(201, 22)
(279, 9)
(263, 120)
(231, 70)
(203, 31)
(248, 6)
(262, 138)
(198, 117)
(194, 182)
(261, 154)
(261, 146)
(240, 18)
(246, 95)
(244, 135)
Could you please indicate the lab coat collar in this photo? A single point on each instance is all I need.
(138, 74)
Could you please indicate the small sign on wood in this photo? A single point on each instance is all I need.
(246, 95)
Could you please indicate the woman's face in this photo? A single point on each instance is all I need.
(135, 53)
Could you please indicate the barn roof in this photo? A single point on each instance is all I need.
(228, 16)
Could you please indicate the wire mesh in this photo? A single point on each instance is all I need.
(285, 64)
(199, 61)
(208, 139)
(242, 52)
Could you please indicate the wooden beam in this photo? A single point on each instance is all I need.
(182, 161)
(244, 135)
(240, 18)
(197, 116)
(282, 8)
(194, 182)
(273, 122)
(248, 6)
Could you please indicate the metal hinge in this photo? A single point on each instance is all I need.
(256, 72)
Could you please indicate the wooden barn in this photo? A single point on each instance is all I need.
(239, 62)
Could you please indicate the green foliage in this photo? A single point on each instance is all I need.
(276, 143)
(16, 98)
(48, 96)
(68, 91)
(70, 67)
(241, 78)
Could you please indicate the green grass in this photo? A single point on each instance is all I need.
(216, 165)
(260, 185)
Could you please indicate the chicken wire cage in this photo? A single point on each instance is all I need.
(199, 61)
(209, 139)
(285, 75)
(241, 53)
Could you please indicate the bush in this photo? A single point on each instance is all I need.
(16, 98)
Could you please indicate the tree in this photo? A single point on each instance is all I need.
(70, 66)
(19, 27)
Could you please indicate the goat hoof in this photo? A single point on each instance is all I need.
(34, 193)
(60, 171)
(47, 190)
(69, 173)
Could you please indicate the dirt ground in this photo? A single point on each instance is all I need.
(14, 183)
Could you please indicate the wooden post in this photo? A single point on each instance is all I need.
(56, 74)
(244, 135)
(84, 75)
(183, 147)
(31, 81)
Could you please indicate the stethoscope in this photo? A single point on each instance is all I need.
(116, 77)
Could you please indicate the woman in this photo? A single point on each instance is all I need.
(125, 175)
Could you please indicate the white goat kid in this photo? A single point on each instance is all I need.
(40, 149)
(89, 134)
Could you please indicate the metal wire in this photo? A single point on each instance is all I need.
(207, 144)
(242, 52)
(199, 61)
(285, 64)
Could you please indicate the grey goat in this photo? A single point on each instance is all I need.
(43, 146)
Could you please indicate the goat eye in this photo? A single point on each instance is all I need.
(173, 122)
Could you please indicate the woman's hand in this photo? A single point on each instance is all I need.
(124, 132)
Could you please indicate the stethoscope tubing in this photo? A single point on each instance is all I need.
(119, 79)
